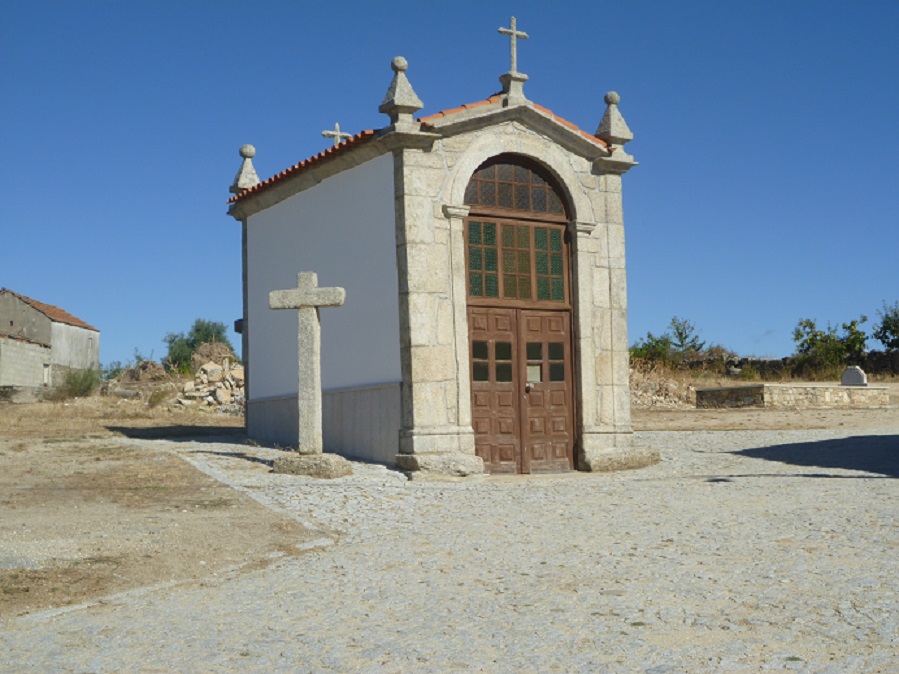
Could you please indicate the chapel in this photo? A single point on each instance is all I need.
(481, 249)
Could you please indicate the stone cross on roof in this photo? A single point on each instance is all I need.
(337, 134)
(514, 35)
(306, 298)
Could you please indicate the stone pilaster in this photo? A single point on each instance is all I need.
(436, 435)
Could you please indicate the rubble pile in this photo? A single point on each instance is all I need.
(215, 385)
(655, 387)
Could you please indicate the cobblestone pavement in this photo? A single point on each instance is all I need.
(740, 552)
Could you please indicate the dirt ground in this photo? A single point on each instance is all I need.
(83, 516)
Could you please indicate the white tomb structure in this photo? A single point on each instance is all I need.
(482, 253)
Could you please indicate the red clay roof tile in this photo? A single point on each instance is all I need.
(360, 137)
(53, 313)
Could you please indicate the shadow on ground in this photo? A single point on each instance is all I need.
(224, 434)
(869, 453)
(238, 455)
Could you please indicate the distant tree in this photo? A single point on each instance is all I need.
(658, 349)
(823, 352)
(182, 347)
(854, 340)
(684, 338)
(887, 331)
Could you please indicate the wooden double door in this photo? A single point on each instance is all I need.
(522, 389)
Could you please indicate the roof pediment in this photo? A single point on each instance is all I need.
(494, 111)
(469, 118)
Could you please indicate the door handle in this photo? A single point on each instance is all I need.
(527, 388)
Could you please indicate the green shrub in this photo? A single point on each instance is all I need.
(76, 384)
(887, 331)
(822, 354)
(182, 347)
(157, 397)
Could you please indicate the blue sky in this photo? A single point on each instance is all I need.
(767, 134)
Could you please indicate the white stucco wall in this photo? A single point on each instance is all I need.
(74, 347)
(344, 230)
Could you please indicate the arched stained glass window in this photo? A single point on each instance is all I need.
(511, 183)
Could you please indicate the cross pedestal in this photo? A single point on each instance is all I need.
(306, 299)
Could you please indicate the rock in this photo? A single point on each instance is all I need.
(212, 371)
(323, 466)
(189, 386)
(237, 374)
(126, 393)
(222, 396)
(182, 401)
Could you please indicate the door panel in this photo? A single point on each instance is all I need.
(494, 389)
(548, 434)
(521, 389)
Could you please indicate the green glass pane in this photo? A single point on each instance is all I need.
(490, 259)
(554, 204)
(489, 233)
(535, 351)
(555, 240)
(524, 262)
(557, 371)
(487, 173)
(540, 238)
(537, 180)
(524, 287)
(504, 372)
(542, 264)
(487, 194)
(510, 289)
(480, 371)
(522, 175)
(556, 351)
(492, 285)
(475, 259)
(558, 290)
(542, 288)
(523, 237)
(522, 197)
(556, 261)
(503, 351)
(475, 285)
(508, 236)
(504, 171)
(479, 350)
(471, 193)
(509, 261)
(539, 197)
(504, 195)
(474, 233)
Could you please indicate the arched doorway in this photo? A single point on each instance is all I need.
(519, 317)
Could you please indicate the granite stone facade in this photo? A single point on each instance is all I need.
(434, 158)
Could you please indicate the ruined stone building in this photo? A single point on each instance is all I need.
(482, 253)
(39, 343)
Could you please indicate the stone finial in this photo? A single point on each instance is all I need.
(401, 102)
(612, 128)
(246, 177)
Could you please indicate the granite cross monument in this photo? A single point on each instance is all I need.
(306, 298)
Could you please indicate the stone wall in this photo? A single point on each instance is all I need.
(22, 363)
(792, 396)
